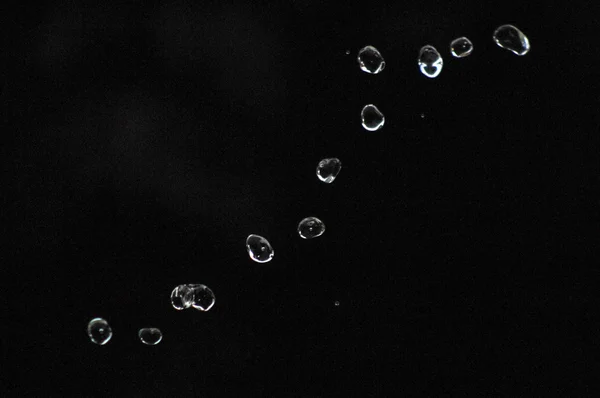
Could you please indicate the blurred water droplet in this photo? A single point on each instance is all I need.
(328, 169)
(430, 61)
(203, 297)
(150, 336)
(181, 297)
(337, 303)
(311, 227)
(259, 249)
(370, 60)
(99, 331)
(461, 47)
(372, 119)
(511, 38)
(347, 52)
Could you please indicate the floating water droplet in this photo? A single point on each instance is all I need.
(430, 61)
(203, 297)
(99, 331)
(347, 52)
(259, 249)
(311, 227)
(372, 118)
(370, 60)
(461, 47)
(150, 336)
(181, 297)
(337, 303)
(511, 38)
(328, 169)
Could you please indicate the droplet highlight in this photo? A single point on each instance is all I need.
(328, 169)
(150, 336)
(370, 60)
(511, 38)
(311, 227)
(203, 297)
(99, 331)
(461, 47)
(430, 61)
(181, 297)
(259, 249)
(372, 119)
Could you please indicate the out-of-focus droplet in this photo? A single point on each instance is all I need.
(203, 297)
(181, 297)
(259, 249)
(370, 60)
(328, 169)
(311, 227)
(150, 336)
(511, 38)
(99, 331)
(372, 119)
(337, 303)
(347, 52)
(430, 61)
(461, 47)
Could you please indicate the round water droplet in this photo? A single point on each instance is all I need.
(372, 118)
(422, 116)
(203, 297)
(430, 61)
(461, 47)
(370, 60)
(511, 38)
(99, 331)
(150, 336)
(181, 297)
(259, 249)
(311, 227)
(328, 169)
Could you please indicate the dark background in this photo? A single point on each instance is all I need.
(144, 142)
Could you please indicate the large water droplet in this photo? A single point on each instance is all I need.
(311, 227)
(370, 60)
(430, 61)
(372, 119)
(511, 38)
(204, 298)
(461, 47)
(259, 249)
(150, 336)
(99, 331)
(181, 297)
(328, 169)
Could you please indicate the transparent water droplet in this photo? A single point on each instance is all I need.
(370, 60)
(511, 38)
(311, 227)
(99, 331)
(422, 116)
(203, 297)
(150, 336)
(328, 169)
(461, 47)
(372, 119)
(337, 303)
(181, 297)
(347, 52)
(430, 61)
(259, 249)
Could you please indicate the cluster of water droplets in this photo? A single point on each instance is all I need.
(100, 332)
(195, 296)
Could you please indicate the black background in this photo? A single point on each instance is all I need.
(144, 142)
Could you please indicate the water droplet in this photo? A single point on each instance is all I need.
(337, 303)
(422, 116)
(512, 39)
(328, 169)
(461, 47)
(347, 52)
(430, 61)
(259, 249)
(181, 297)
(311, 227)
(99, 331)
(370, 60)
(203, 297)
(150, 336)
(372, 118)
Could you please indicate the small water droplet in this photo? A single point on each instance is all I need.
(430, 61)
(461, 47)
(337, 303)
(203, 297)
(372, 118)
(181, 297)
(422, 116)
(311, 227)
(347, 52)
(99, 331)
(150, 336)
(511, 38)
(259, 249)
(328, 169)
(370, 60)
